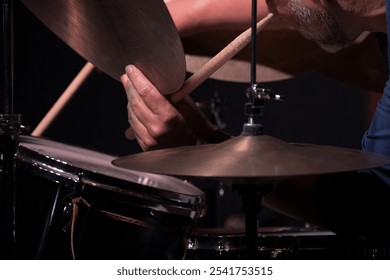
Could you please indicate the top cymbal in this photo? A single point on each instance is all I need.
(251, 157)
(112, 34)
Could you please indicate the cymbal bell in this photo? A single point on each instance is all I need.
(251, 158)
(112, 34)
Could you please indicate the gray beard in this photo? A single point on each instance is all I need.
(318, 26)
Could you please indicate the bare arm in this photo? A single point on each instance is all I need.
(197, 16)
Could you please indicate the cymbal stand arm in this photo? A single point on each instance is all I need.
(255, 94)
(253, 110)
(255, 106)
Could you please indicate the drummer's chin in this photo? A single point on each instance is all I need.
(336, 47)
(332, 48)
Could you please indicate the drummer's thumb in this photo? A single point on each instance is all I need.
(129, 133)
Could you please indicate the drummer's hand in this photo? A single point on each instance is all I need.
(155, 122)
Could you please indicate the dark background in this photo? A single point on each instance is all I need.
(317, 109)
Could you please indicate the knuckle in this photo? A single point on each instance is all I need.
(132, 104)
(156, 131)
(164, 124)
(144, 91)
(171, 117)
(140, 85)
(149, 143)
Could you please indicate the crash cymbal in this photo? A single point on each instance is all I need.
(285, 54)
(251, 157)
(112, 34)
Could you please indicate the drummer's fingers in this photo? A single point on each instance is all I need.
(153, 99)
(136, 108)
(131, 116)
(141, 143)
(138, 131)
(151, 108)
(145, 141)
(137, 126)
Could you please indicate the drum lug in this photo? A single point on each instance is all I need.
(79, 186)
(67, 216)
(67, 211)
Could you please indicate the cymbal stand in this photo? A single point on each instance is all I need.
(10, 127)
(252, 193)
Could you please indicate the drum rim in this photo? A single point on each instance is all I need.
(287, 238)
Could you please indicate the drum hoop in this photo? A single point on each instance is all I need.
(230, 242)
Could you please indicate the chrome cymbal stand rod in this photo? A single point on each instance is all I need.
(255, 93)
(9, 138)
(251, 194)
(255, 106)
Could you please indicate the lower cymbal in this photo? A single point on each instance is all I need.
(251, 157)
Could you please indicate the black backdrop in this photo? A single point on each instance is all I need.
(316, 110)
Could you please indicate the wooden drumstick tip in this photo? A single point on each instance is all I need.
(217, 61)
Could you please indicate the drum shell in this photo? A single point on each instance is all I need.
(116, 219)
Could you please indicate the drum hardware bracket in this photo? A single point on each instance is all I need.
(256, 95)
(261, 93)
(254, 109)
(67, 215)
(69, 201)
(11, 125)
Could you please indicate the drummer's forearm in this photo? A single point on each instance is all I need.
(197, 16)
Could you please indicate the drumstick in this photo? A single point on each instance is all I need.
(63, 100)
(217, 61)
